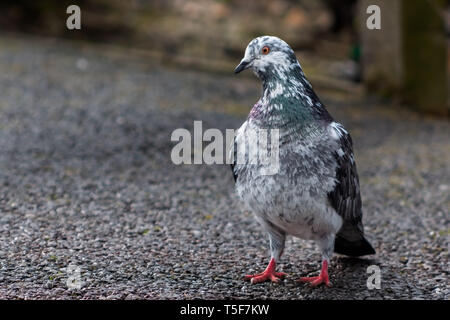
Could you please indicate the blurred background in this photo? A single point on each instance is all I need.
(86, 117)
(406, 59)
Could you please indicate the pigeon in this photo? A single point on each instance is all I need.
(314, 193)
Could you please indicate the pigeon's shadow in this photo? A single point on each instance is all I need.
(353, 262)
(351, 270)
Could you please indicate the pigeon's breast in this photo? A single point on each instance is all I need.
(293, 196)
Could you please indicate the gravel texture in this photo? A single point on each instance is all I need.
(86, 180)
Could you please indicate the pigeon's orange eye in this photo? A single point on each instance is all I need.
(265, 50)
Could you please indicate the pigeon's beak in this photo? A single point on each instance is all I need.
(242, 66)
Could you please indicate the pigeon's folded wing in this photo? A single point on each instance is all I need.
(345, 197)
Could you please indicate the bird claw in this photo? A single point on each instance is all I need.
(321, 278)
(268, 274)
(265, 276)
(315, 281)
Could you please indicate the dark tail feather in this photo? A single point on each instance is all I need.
(353, 248)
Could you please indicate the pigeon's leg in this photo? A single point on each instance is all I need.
(277, 239)
(326, 245)
(321, 278)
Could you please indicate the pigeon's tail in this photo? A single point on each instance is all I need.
(356, 248)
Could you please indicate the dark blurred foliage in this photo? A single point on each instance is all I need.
(183, 27)
(48, 17)
(120, 19)
(43, 15)
(343, 14)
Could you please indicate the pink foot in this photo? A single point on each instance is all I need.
(322, 278)
(268, 274)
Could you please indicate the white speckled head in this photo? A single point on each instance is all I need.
(266, 55)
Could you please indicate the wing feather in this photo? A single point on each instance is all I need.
(345, 197)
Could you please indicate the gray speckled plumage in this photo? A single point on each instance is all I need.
(315, 192)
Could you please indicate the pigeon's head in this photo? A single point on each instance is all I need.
(268, 57)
